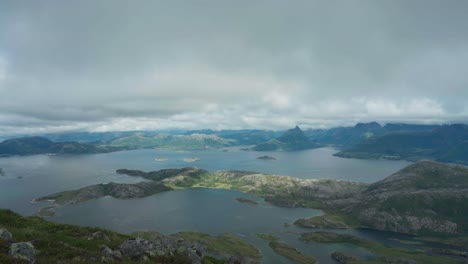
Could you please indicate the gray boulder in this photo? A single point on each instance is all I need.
(5, 235)
(110, 255)
(22, 250)
(137, 248)
(99, 235)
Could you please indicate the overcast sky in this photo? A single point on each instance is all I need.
(132, 65)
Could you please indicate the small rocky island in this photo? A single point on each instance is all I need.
(247, 201)
(266, 158)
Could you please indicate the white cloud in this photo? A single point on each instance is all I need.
(111, 65)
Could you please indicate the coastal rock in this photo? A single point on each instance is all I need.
(342, 258)
(266, 158)
(5, 235)
(398, 260)
(2, 173)
(22, 250)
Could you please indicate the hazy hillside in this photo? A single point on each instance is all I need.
(350, 136)
(194, 141)
(40, 145)
(447, 143)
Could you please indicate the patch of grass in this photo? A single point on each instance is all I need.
(212, 260)
(331, 219)
(226, 244)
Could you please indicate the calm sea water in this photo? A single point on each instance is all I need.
(205, 210)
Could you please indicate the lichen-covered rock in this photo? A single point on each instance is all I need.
(5, 235)
(110, 255)
(99, 235)
(22, 250)
(161, 245)
(137, 248)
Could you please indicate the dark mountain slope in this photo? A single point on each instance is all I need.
(293, 139)
(447, 143)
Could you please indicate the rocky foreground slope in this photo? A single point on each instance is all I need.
(33, 240)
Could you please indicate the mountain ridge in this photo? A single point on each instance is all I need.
(293, 139)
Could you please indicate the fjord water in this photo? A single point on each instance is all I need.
(205, 210)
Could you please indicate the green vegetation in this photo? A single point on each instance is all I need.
(279, 190)
(286, 250)
(384, 254)
(60, 243)
(226, 244)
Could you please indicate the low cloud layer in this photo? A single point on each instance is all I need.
(120, 65)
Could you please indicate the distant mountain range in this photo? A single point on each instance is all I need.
(293, 139)
(187, 142)
(40, 145)
(448, 143)
(349, 136)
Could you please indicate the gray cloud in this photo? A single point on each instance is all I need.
(120, 65)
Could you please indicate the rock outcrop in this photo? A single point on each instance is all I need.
(425, 196)
(110, 255)
(162, 246)
(23, 251)
(342, 258)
